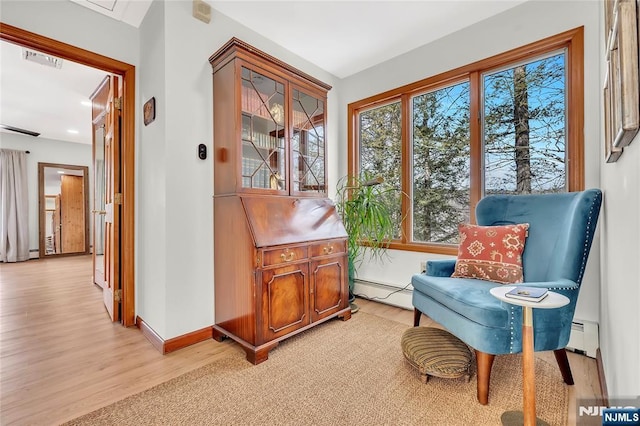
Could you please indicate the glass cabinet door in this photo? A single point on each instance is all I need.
(308, 143)
(263, 132)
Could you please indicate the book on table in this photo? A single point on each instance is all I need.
(532, 294)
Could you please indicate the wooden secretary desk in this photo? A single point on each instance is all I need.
(279, 246)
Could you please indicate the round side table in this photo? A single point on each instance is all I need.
(551, 301)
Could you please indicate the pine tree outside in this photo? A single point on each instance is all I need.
(523, 142)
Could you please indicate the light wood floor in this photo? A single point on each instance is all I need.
(61, 357)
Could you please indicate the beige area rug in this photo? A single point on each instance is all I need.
(338, 373)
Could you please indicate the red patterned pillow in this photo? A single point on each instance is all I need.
(492, 253)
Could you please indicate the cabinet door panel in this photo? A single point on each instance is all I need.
(263, 134)
(308, 144)
(285, 301)
(328, 286)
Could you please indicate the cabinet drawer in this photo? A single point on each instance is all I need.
(284, 255)
(328, 247)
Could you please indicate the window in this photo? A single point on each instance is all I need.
(524, 122)
(509, 124)
(381, 142)
(440, 163)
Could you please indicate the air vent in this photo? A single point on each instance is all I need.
(19, 130)
(41, 58)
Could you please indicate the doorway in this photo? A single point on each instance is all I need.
(127, 73)
(63, 200)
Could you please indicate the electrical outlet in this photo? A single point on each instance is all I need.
(423, 266)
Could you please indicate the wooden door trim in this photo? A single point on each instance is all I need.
(128, 73)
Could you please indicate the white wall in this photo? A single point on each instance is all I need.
(523, 24)
(151, 172)
(620, 272)
(44, 151)
(620, 288)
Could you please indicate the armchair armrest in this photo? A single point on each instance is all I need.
(441, 268)
(560, 284)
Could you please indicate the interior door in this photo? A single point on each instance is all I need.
(99, 101)
(72, 213)
(99, 211)
(106, 102)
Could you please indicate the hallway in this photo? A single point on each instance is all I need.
(61, 357)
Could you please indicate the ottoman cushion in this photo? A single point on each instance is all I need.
(436, 352)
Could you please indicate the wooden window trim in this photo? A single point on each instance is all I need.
(571, 40)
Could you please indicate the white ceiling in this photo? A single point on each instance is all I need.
(46, 100)
(341, 37)
(345, 37)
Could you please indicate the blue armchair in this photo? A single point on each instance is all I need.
(555, 255)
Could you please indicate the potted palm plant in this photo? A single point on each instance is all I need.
(365, 205)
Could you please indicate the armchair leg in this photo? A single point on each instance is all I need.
(563, 363)
(416, 317)
(484, 362)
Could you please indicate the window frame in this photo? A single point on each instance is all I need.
(572, 41)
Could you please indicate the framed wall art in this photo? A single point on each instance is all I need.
(621, 88)
(149, 111)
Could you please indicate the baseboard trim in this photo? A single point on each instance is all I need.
(150, 334)
(601, 378)
(175, 343)
(188, 339)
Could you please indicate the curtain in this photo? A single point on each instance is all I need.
(14, 206)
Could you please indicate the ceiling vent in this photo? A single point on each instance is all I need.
(41, 58)
(19, 130)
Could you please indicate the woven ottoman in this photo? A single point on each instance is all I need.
(436, 352)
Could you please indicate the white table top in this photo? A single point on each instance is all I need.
(553, 300)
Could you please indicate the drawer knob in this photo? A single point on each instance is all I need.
(328, 250)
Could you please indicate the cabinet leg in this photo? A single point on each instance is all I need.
(256, 356)
(218, 336)
(346, 315)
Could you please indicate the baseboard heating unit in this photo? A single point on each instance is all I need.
(384, 293)
(584, 337)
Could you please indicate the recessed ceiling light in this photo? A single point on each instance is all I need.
(86, 103)
(75, 132)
